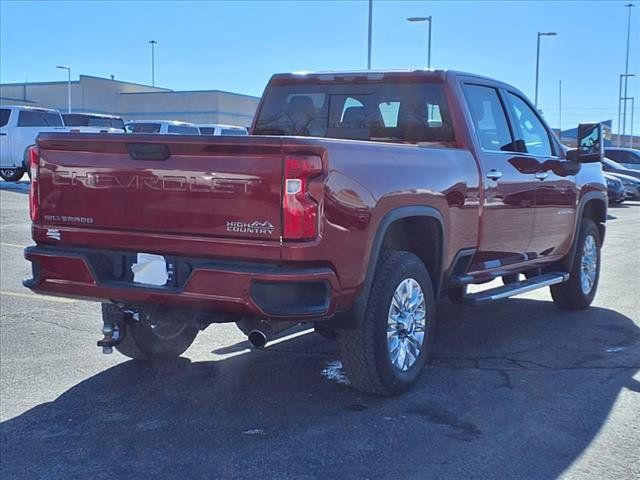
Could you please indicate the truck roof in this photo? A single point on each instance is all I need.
(380, 74)
(30, 108)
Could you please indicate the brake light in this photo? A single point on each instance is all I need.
(300, 209)
(34, 191)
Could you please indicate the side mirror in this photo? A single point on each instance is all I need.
(590, 144)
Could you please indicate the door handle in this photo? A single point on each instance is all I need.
(541, 175)
(494, 174)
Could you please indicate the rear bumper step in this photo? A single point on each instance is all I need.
(516, 288)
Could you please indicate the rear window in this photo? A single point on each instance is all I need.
(207, 130)
(4, 116)
(84, 120)
(183, 130)
(142, 127)
(233, 131)
(387, 112)
(31, 118)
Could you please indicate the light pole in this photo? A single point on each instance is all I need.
(622, 100)
(425, 19)
(540, 34)
(153, 62)
(370, 33)
(560, 110)
(626, 73)
(68, 69)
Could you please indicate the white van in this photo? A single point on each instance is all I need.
(19, 127)
(161, 126)
(219, 129)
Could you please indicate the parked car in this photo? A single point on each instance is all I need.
(612, 166)
(218, 129)
(631, 185)
(170, 127)
(356, 202)
(19, 126)
(615, 189)
(102, 122)
(628, 157)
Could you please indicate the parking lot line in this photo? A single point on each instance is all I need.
(12, 245)
(38, 297)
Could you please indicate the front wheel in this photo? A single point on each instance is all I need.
(11, 174)
(577, 293)
(159, 336)
(387, 350)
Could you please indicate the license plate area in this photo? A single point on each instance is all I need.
(151, 269)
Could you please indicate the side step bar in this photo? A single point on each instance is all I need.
(516, 288)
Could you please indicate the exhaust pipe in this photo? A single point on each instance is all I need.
(257, 338)
(260, 332)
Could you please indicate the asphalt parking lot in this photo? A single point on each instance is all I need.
(516, 390)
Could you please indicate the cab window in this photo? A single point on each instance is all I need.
(488, 117)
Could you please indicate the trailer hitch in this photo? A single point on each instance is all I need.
(114, 329)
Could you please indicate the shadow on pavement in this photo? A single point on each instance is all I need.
(515, 390)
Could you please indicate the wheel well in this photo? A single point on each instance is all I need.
(421, 236)
(596, 210)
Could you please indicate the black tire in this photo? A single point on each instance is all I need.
(364, 350)
(160, 337)
(512, 278)
(570, 295)
(11, 174)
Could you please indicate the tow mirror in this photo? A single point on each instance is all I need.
(590, 144)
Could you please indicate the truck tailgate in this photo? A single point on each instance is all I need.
(206, 186)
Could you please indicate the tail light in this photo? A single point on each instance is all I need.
(300, 209)
(34, 193)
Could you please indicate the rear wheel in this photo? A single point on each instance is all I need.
(11, 174)
(577, 293)
(387, 350)
(158, 336)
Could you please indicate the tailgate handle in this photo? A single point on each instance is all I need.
(148, 151)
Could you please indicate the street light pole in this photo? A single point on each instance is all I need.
(626, 74)
(370, 32)
(560, 110)
(153, 62)
(425, 19)
(540, 34)
(622, 100)
(68, 69)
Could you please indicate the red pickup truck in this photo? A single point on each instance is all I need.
(358, 201)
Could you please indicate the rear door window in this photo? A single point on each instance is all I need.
(5, 113)
(207, 130)
(183, 130)
(489, 117)
(143, 127)
(34, 118)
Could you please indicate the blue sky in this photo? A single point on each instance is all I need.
(237, 45)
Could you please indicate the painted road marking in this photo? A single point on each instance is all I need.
(38, 297)
(12, 245)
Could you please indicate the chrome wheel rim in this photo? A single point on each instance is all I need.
(588, 264)
(406, 324)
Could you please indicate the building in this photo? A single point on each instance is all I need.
(569, 137)
(133, 101)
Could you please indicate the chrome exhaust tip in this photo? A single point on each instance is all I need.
(257, 338)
